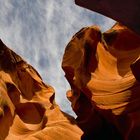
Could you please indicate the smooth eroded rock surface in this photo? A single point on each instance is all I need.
(27, 107)
(103, 71)
(125, 12)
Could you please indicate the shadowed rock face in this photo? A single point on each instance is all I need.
(103, 71)
(27, 107)
(125, 12)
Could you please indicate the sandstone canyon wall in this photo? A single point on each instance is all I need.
(27, 107)
(125, 12)
(103, 71)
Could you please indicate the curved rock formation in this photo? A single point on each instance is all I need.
(103, 71)
(125, 12)
(27, 107)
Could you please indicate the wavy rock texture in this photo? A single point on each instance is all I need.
(103, 71)
(27, 107)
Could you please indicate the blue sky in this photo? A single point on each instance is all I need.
(39, 30)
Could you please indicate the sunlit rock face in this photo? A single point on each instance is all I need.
(27, 107)
(103, 71)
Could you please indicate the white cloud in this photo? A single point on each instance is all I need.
(39, 30)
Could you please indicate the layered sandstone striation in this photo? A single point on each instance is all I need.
(103, 71)
(27, 107)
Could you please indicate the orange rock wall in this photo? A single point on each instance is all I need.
(27, 107)
(102, 69)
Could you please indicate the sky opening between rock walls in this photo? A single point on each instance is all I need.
(38, 30)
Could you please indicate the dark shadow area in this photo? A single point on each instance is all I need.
(5, 121)
(30, 113)
(94, 124)
(125, 12)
